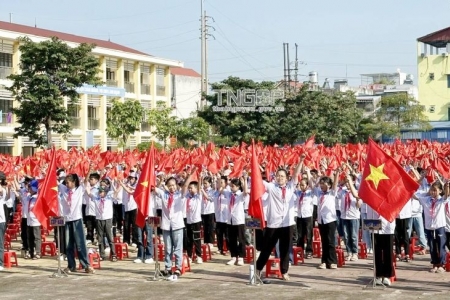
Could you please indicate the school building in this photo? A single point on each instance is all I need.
(127, 74)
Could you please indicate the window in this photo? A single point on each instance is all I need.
(5, 60)
(110, 75)
(74, 110)
(432, 108)
(442, 134)
(448, 81)
(160, 72)
(92, 112)
(126, 76)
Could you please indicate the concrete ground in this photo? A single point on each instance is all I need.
(214, 280)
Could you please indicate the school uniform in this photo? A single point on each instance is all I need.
(401, 229)
(130, 231)
(238, 203)
(145, 252)
(90, 213)
(434, 211)
(71, 201)
(281, 212)
(23, 225)
(194, 223)
(2, 224)
(104, 216)
(326, 217)
(366, 234)
(117, 211)
(384, 242)
(33, 229)
(208, 216)
(339, 223)
(259, 233)
(221, 211)
(350, 216)
(305, 208)
(172, 225)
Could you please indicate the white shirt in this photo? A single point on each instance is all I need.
(280, 212)
(72, 212)
(326, 207)
(173, 218)
(103, 207)
(264, 198)
(417, 209)
(32, 220)
(221, 207)
(386, 227)
(208, 203)
(348, 211)
(90, 201)
(193, 208)
(128, 200)
(406, 211)
(2, 202)
(237, 210)
(24, 201)
(305, 206)
(447, 217)
(434, 214)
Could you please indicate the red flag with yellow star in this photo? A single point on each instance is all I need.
(385, 186)
(145, 183)
(47, 201)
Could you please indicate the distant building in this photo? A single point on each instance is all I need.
(433, 69)
(186, 91)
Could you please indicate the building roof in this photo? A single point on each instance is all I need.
(438, 39)
(29, 30)
(184, 72)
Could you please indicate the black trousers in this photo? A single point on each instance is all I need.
(194, 239)
(271, 237)
(83, 212)
(236, 240)
(222, 234)
(23, 234)
(208, 228)
(104, 230)
(259, 236)
(328, 237)
(34, 240)
(384, 259)
(130, 230)
(117, 217)
(304, 230)
(90, 222)
(159, 214)
(401, 236)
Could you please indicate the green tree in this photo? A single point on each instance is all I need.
(192, 129)
(144, 146)
(124, 119)
(397, 112)
(240, 126)
(50, 71)
(163, 123)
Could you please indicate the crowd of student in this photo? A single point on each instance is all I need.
(98, 208)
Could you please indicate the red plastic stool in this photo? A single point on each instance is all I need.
(340, 257)
(121, 250)
(249, 254)
(225, 249)
(362, 250)
(394, 278)
(8, 262)
(206, 255)
(316, 234)
(117, 239)
(7, 242)
(298, 255)
(160, 252)
(273, 272)
(94, 261)
(12, 232)
(317, 249)
(185, 266)
(447, 262)
(48, 248)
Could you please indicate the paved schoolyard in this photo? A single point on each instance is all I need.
(215, 280)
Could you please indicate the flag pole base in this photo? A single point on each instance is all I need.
(59, 273)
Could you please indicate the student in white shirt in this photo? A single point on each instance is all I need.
(71, 199)
(305, 208)
(33, 224)
(238, 203)
(130, 207)
(281, 211)
(194, 201)
(208, 192)
(93, 183)
(350, 215)
(21, 191)
(434, 204)
(172, 223)
(401, 231)
(2, 225)
(326, 217)
(221, 213)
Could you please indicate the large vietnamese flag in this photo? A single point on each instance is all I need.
(257, 189)
(385, 186)
(146, 181)
(47, 201)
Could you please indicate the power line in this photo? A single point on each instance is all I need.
(162, 39)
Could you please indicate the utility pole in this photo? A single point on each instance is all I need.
(285, 70)
(296, 68)
(203, 54)
(10, 17)
(289, 67)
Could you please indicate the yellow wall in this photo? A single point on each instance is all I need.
(434, 91)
